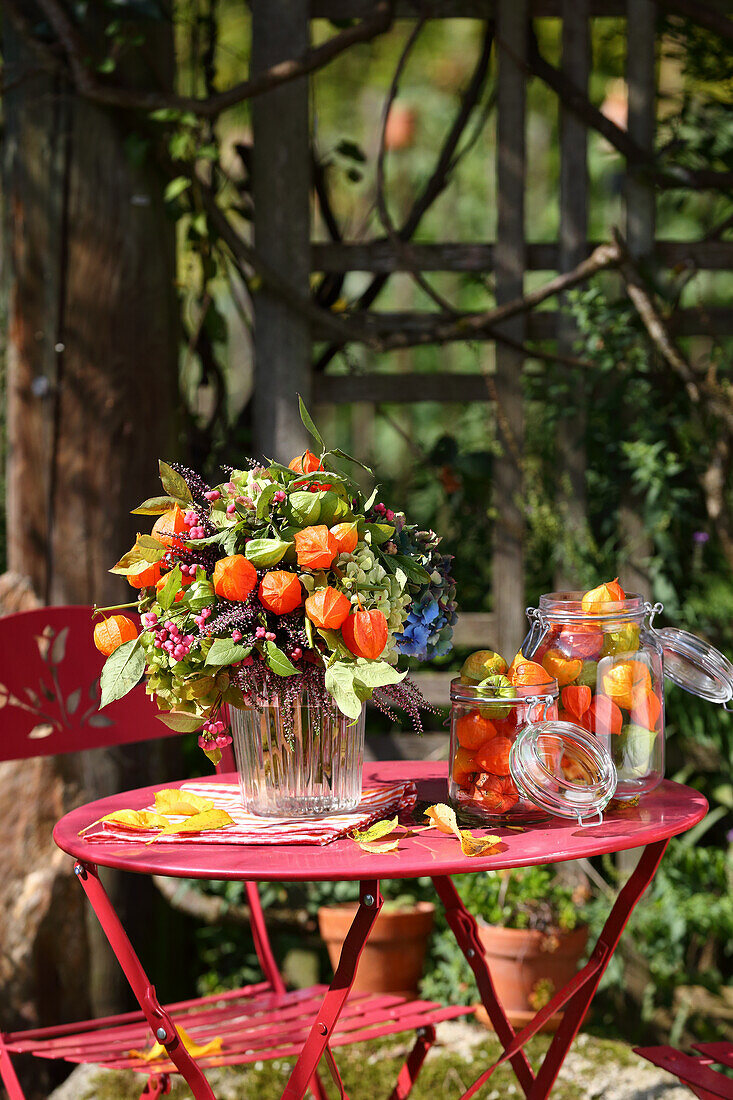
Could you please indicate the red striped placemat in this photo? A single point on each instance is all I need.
(376, 803)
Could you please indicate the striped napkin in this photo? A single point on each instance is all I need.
(376, 803)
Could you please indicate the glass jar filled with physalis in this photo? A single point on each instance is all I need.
(610, 663)
(511, 758)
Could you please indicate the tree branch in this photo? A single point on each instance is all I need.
(112, 95)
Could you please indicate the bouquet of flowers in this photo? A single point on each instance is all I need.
(279, 581)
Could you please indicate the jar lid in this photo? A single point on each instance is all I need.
(563, 769)
(696, 666)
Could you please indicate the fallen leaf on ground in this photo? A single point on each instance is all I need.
(477, 845)
(158, 1053)
(443, 818)
(377, 848)
(173, 801)
(375, 831)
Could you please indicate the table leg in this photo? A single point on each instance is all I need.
(160, 1022)
(464, 928)
(577, 995)
(370, 903)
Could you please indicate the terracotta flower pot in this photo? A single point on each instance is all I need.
(392, 960)
(528, 967)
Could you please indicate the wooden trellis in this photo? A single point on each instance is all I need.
(281, 180)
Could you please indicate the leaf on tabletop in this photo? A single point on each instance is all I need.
(376, 831)
(131, 819)
(185, 803)
(378, 848)
(200, 823)
(477, 845)
(443, 818)
(158, 1053)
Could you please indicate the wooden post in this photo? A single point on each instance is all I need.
(281, 184)
(640, 225)
(508, 557)
(573, 229)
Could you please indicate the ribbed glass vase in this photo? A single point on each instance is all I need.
(305, 767)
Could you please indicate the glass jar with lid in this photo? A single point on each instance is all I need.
(512, 760)
(610, 664)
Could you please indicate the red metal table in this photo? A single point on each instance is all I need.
(668, 811)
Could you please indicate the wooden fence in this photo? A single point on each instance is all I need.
(281, 175)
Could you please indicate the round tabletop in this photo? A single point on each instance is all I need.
(671, 809)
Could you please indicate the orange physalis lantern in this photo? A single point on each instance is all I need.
(327, 608)
(168, 526)
(316, 547)
(347, 536)
(472, 731)
(365, 634)
(307, 463)
(463, 765)
(148, 577)
(576, 700)
(234, 577)
(528, 674)
(603, 716)
(494, 756)
(622, 680)
(280, 591)
(113, 632)
(595, 602)
(646, 707)
(560, 668)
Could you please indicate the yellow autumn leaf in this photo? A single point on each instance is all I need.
(477, 845)
(158, 1053)
(131, 819)
(443, 818)
(199, 823)
(377, 848)
(184, 803)
(375, 831)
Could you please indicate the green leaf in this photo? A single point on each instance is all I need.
(374, 674)
(150, 549)
(349, 458)
(308, 424)
(304, 508)
(214, 755)
(371, 498)
(172, 585)
(340, 684)
(380, 532)
(122, 671)
(331, 637)
(181, 721)
(412, 570)
(264, 500)
(263, 552)
(173, 482)
(309, 632)
(226, 652)
(155, 506)
(376, 831)
(278, 662)
(200, 595)
(176, 187)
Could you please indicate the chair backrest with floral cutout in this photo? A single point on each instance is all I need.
(49, 689)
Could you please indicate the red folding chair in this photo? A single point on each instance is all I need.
(51, 688)
(696, 1071)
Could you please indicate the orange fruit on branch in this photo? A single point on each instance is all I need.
(365, 633)
(307, 463)
(327, 608)
(280, 591)
(347, 536)
(112, 632)
(234, 577)
(168, 526)
(315, 547)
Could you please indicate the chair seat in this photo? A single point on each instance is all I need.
(696, 1071)
(254, 1024)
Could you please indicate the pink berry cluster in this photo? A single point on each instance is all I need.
(268, 635)
(201, 618)
(214, 735)
(195, 528)
(169, 638)
(383, 510)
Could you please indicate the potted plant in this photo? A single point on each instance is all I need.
(273, 605)
(533, 931)
(394, 955)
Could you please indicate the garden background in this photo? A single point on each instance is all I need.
(147, 312)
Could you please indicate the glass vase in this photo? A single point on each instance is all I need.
(299, 761)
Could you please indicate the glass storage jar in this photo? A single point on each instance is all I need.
(610, 665)
(512, 760)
